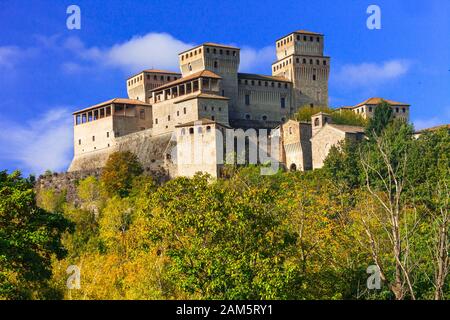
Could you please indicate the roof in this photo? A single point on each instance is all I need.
(160, 71)
(301, 32)
(375, 101)
(347, 129)
(204, 96)
(308, 32)
(202, 121)
(261, 77)
(154, 71)
(210, 44)
(435, 128)
(345, 107)
(321, 112)
(204, 73)
(116, 100)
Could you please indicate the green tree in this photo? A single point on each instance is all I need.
(223, 241)
(382, 116)
(346, 117)
(29, 237)
(119, 172)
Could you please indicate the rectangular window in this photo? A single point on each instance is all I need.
(283, 103)
(247, 99)
(93, 138)
(79, 142)
(142, 114)
(107, 134)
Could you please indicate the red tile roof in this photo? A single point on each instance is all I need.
(115, 100)
(261, 77)
(204, 74)
(375, 101)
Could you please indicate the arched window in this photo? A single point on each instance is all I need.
(316, 122)
(247, 117)
(216, 64)
(293, 167)
(264, 118)
(183, 132)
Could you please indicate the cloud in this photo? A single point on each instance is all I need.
(153, 50)
(371, 74)
(9, 55)
(39, 144)
(253, 60)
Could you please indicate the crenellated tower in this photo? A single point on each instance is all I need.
(300, 58)
(221, 59)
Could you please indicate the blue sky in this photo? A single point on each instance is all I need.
(48, 71)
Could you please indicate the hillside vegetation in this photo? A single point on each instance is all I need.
(292, 235)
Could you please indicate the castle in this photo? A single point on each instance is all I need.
(166, 112)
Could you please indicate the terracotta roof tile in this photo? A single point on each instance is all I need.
(375, 101)
(347, 128)
(261, 77)
(203, 95)
(115, 100)
(204, 73)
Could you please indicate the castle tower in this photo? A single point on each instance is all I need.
(220, 59)
(139, 85)
(300, 59)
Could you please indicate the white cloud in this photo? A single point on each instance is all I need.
(253, 60)
(39, 144)
(155, 50)
(9, 55)
(370, 74)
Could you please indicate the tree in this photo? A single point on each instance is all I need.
(305, 113)
(119, 172)
(382, 116)
(224, 241)
(384, 164)
(29, 237)
(343, 166)
(346, 117)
